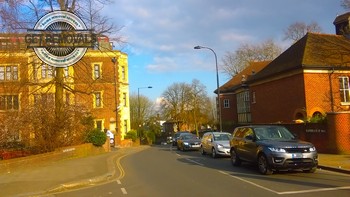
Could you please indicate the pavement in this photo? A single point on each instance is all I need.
(60, 176)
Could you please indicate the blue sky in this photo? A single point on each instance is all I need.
(161, 34)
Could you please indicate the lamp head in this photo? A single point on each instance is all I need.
(197, 47)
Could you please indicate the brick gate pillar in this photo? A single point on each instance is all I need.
(339, 132)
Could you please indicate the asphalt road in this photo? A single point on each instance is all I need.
(165, 171)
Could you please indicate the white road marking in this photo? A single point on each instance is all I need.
(190, 160)
(262, 187)
(288, 192)
(119, 182)
(124, 190)
(315, 190)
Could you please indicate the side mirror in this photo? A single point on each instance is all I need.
(295, 135)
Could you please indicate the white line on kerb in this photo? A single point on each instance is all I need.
(124, 190)
(287, 192)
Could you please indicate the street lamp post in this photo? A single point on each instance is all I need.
(138, 107)
(217, 84)
(114, 61)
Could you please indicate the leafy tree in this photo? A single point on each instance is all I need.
(235, 62)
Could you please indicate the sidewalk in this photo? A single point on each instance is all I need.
(58, 176)
(337, 163)
(68, 174)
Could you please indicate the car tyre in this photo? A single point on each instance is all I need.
(213, 153)
(183, 148)
(234, 158)
(263, 165)
(202, 151)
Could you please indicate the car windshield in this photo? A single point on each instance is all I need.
(187, 137)
(273, 133)
(222, 137)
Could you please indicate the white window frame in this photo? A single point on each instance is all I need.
(226, 103)
(344, 90)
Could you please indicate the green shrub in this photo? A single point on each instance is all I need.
(96, 137)
(318, 119)
(131, 135)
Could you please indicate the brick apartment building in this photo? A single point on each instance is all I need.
(95, 82)
(310, 78)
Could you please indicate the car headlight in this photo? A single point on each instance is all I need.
(220, 146)
(312, 149)
(278, 150)
(186, 143)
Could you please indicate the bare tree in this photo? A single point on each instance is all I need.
(141, 109)
(16, 16)
(235, 62)
(199, 107)
(187, 105)
(345, 4)
(20, 15)
(298, 29)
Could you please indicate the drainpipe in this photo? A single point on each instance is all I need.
(331, 88)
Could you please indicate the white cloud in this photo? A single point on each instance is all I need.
(166, 31)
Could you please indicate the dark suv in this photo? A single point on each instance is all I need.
(272, 148)
(177, 135)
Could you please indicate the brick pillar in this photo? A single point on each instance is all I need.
(339, 132)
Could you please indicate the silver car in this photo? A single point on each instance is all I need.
(216, 144)
(273, 148)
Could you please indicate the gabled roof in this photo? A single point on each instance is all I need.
(236, 81)
(313, 51)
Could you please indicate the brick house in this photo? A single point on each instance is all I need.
(310, 78)
(95, 82)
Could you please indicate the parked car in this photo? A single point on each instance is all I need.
(216, 143)
(177, 135)
(188, 141)
(273, 148)
(111, 137)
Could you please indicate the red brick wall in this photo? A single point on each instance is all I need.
(277, 101)
(228, 115)
(84, 83)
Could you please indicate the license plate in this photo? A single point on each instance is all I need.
(297, 155)
(195, 146)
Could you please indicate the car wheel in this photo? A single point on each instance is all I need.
(234, 158)
(202, 151)
(312, 170)
(263, 165)
(213, 153)
(182, 148)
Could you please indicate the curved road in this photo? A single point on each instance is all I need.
(165, 171)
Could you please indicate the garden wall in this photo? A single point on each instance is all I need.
(7, 166)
